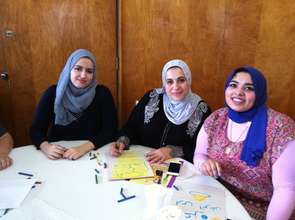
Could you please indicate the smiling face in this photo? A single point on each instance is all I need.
(240, 94)
(176, 85)
(82, 73)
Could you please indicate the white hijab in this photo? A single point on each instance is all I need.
(179, 112)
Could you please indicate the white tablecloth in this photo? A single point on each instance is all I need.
(69, 191)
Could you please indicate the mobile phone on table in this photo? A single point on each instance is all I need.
(174, 168)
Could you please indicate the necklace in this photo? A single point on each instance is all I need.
(232, 146)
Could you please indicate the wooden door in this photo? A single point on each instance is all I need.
(5, 98)
(213, 37)
(44, 35)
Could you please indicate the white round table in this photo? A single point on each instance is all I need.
(69, 191)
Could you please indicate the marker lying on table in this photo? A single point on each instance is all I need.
(94, 156)
(96, 179)
(96, 170)
(175, 187)
(171, 182)
(25, 174)
(124, 196)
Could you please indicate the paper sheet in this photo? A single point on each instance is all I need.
(129, 165)
(38, 209)
(188, 201)
(199, 201)
(14, 191)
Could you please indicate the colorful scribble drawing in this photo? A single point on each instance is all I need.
(199, 202)
(199, 196)
(130, 165)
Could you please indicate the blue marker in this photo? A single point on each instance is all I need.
(175, 187)
(124, 196)
(96, 170)
(204, 217)
(25, 174)
(121, 192)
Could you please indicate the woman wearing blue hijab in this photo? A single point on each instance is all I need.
(250, 148)
(76, 109)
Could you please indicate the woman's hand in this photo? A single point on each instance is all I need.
(211, 168)
(52, 151)
(117, 148)
(5, 161)
(74, 153)
(159, 155)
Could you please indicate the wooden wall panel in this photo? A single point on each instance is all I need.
(275, 53)
(213, 37)
(46, 32)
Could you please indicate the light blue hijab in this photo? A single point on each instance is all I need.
(70, 101)
(179, 112)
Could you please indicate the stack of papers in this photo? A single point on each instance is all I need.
(13, 192)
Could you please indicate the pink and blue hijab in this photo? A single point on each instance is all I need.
(255, 142)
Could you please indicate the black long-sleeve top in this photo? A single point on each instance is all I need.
(152, 128)
(98, 122)
(2, 130)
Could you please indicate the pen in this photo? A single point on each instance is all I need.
(25, 174)
(104, 165)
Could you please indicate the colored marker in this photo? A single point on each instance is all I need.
(175, 187)
(25, 174)
(126, 198)
(104, 165)
(171, 182)
(121, 192)
(96, 179)
(94, 156)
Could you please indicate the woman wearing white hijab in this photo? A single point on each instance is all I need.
(167, 119)
(76, 109)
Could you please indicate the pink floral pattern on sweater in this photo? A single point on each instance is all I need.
(253, 182)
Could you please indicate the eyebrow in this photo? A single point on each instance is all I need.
(246, 84)
(176, 78)
(77, 65)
